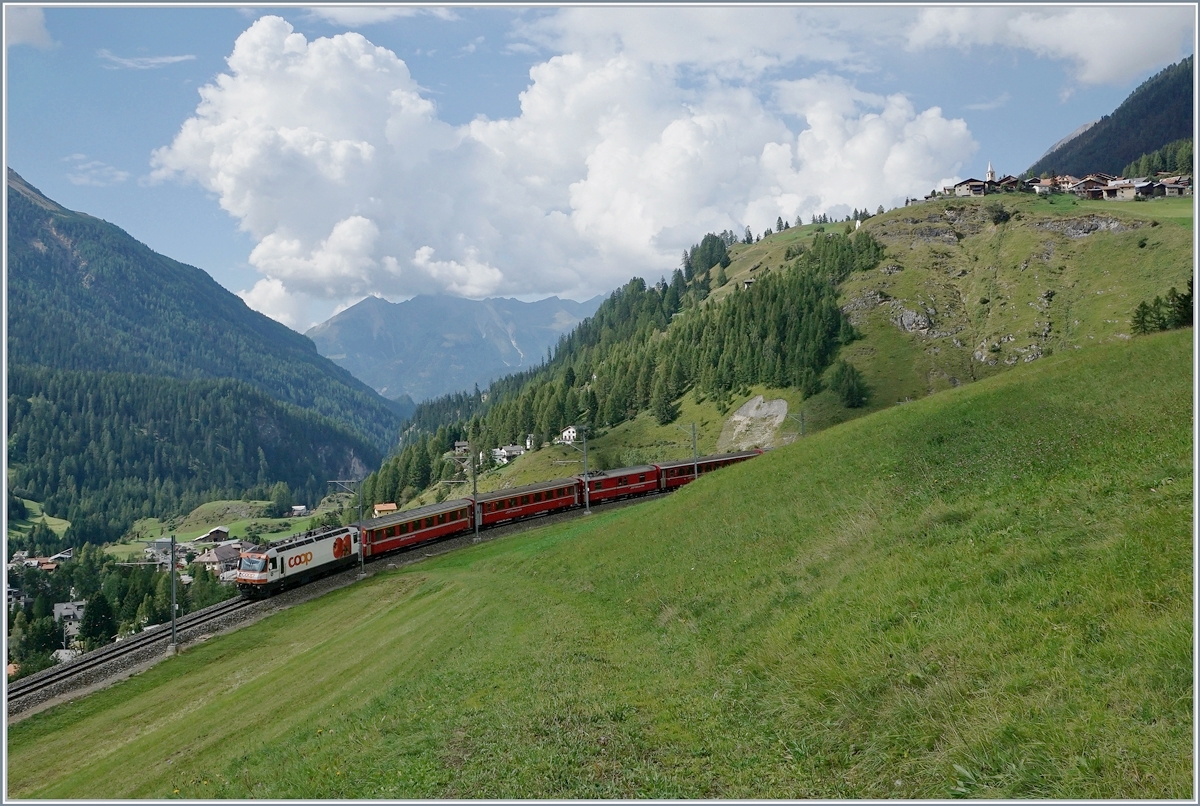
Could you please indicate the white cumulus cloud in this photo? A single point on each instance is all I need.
(26, 25)
(1107, 44)
(327, 153)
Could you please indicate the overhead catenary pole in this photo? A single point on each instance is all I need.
(350, 486)
(171, 565)
(474, 488)
(587, 482)
(695, 456)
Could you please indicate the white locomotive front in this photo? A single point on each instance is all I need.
(297, 559)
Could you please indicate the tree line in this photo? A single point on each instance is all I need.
(1175, 158)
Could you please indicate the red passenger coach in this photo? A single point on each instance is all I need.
(613, 484)
(527, 501)
(418, 525)
(676, 474)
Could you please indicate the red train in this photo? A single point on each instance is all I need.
(421, 525)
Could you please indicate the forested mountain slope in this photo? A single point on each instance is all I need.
(84, 295)
(1156, 113)
(433, 345)
(102, 449)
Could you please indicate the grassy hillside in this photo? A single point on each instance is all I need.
(986, 592)
(958, 298)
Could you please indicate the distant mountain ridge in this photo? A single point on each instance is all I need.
(436, 344)
(1156, 113)
(85, 295)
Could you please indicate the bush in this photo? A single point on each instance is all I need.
(997, 213)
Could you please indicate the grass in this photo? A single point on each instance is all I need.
(35, 514)
(983, 593)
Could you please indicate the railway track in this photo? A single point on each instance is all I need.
(128, 652)
(109, 662)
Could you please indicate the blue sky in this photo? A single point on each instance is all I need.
(525, 152)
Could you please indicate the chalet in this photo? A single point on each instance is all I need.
(221, 558)
(747, 283)
(218, 534)
(507, 453)
(969, 187)
(1172, 189)
(384, 509)
(530, 440)
(570, 434)
(1045, 187)
(1090, 187)
(462, 448)
(299, 510)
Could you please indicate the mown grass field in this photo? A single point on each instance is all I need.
(986, 592)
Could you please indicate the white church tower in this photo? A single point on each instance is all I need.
(991, 175)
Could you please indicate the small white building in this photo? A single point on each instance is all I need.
(69, 614)
(570, 434)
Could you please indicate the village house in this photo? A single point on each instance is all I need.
(570, 434)
(217, 534)
(384, 509)
(69, 614)
(507, 453)
(220, 558)
(462, 448)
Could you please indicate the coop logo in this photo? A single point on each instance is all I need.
(300, 559)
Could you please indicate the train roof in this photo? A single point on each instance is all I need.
(622, 471)
(302, 538)
(419, 512)
(713, 457)
(528, 488)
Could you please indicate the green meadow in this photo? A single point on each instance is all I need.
(984, 593)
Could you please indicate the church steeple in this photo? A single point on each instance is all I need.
(991, 175)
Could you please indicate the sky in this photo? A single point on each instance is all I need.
(307, 157)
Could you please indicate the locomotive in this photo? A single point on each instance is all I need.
(300, 558)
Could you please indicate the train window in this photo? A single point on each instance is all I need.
(512, 502)
(404, 528)
(524, 499)
(453, 516)
(428, 522)
(537, 497)
(641, 476)
(273, 564)
(622, 481)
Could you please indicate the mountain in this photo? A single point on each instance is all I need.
(85, 295)
(1156, 113)
(102, 449)
(434, 345)
(1068, 138)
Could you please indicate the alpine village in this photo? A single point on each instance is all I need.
(891, 504)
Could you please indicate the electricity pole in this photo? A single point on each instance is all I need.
(800, 420)
(346, 485)
(587, 501)
(474, 486)
(695, 458)
(173, 647)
